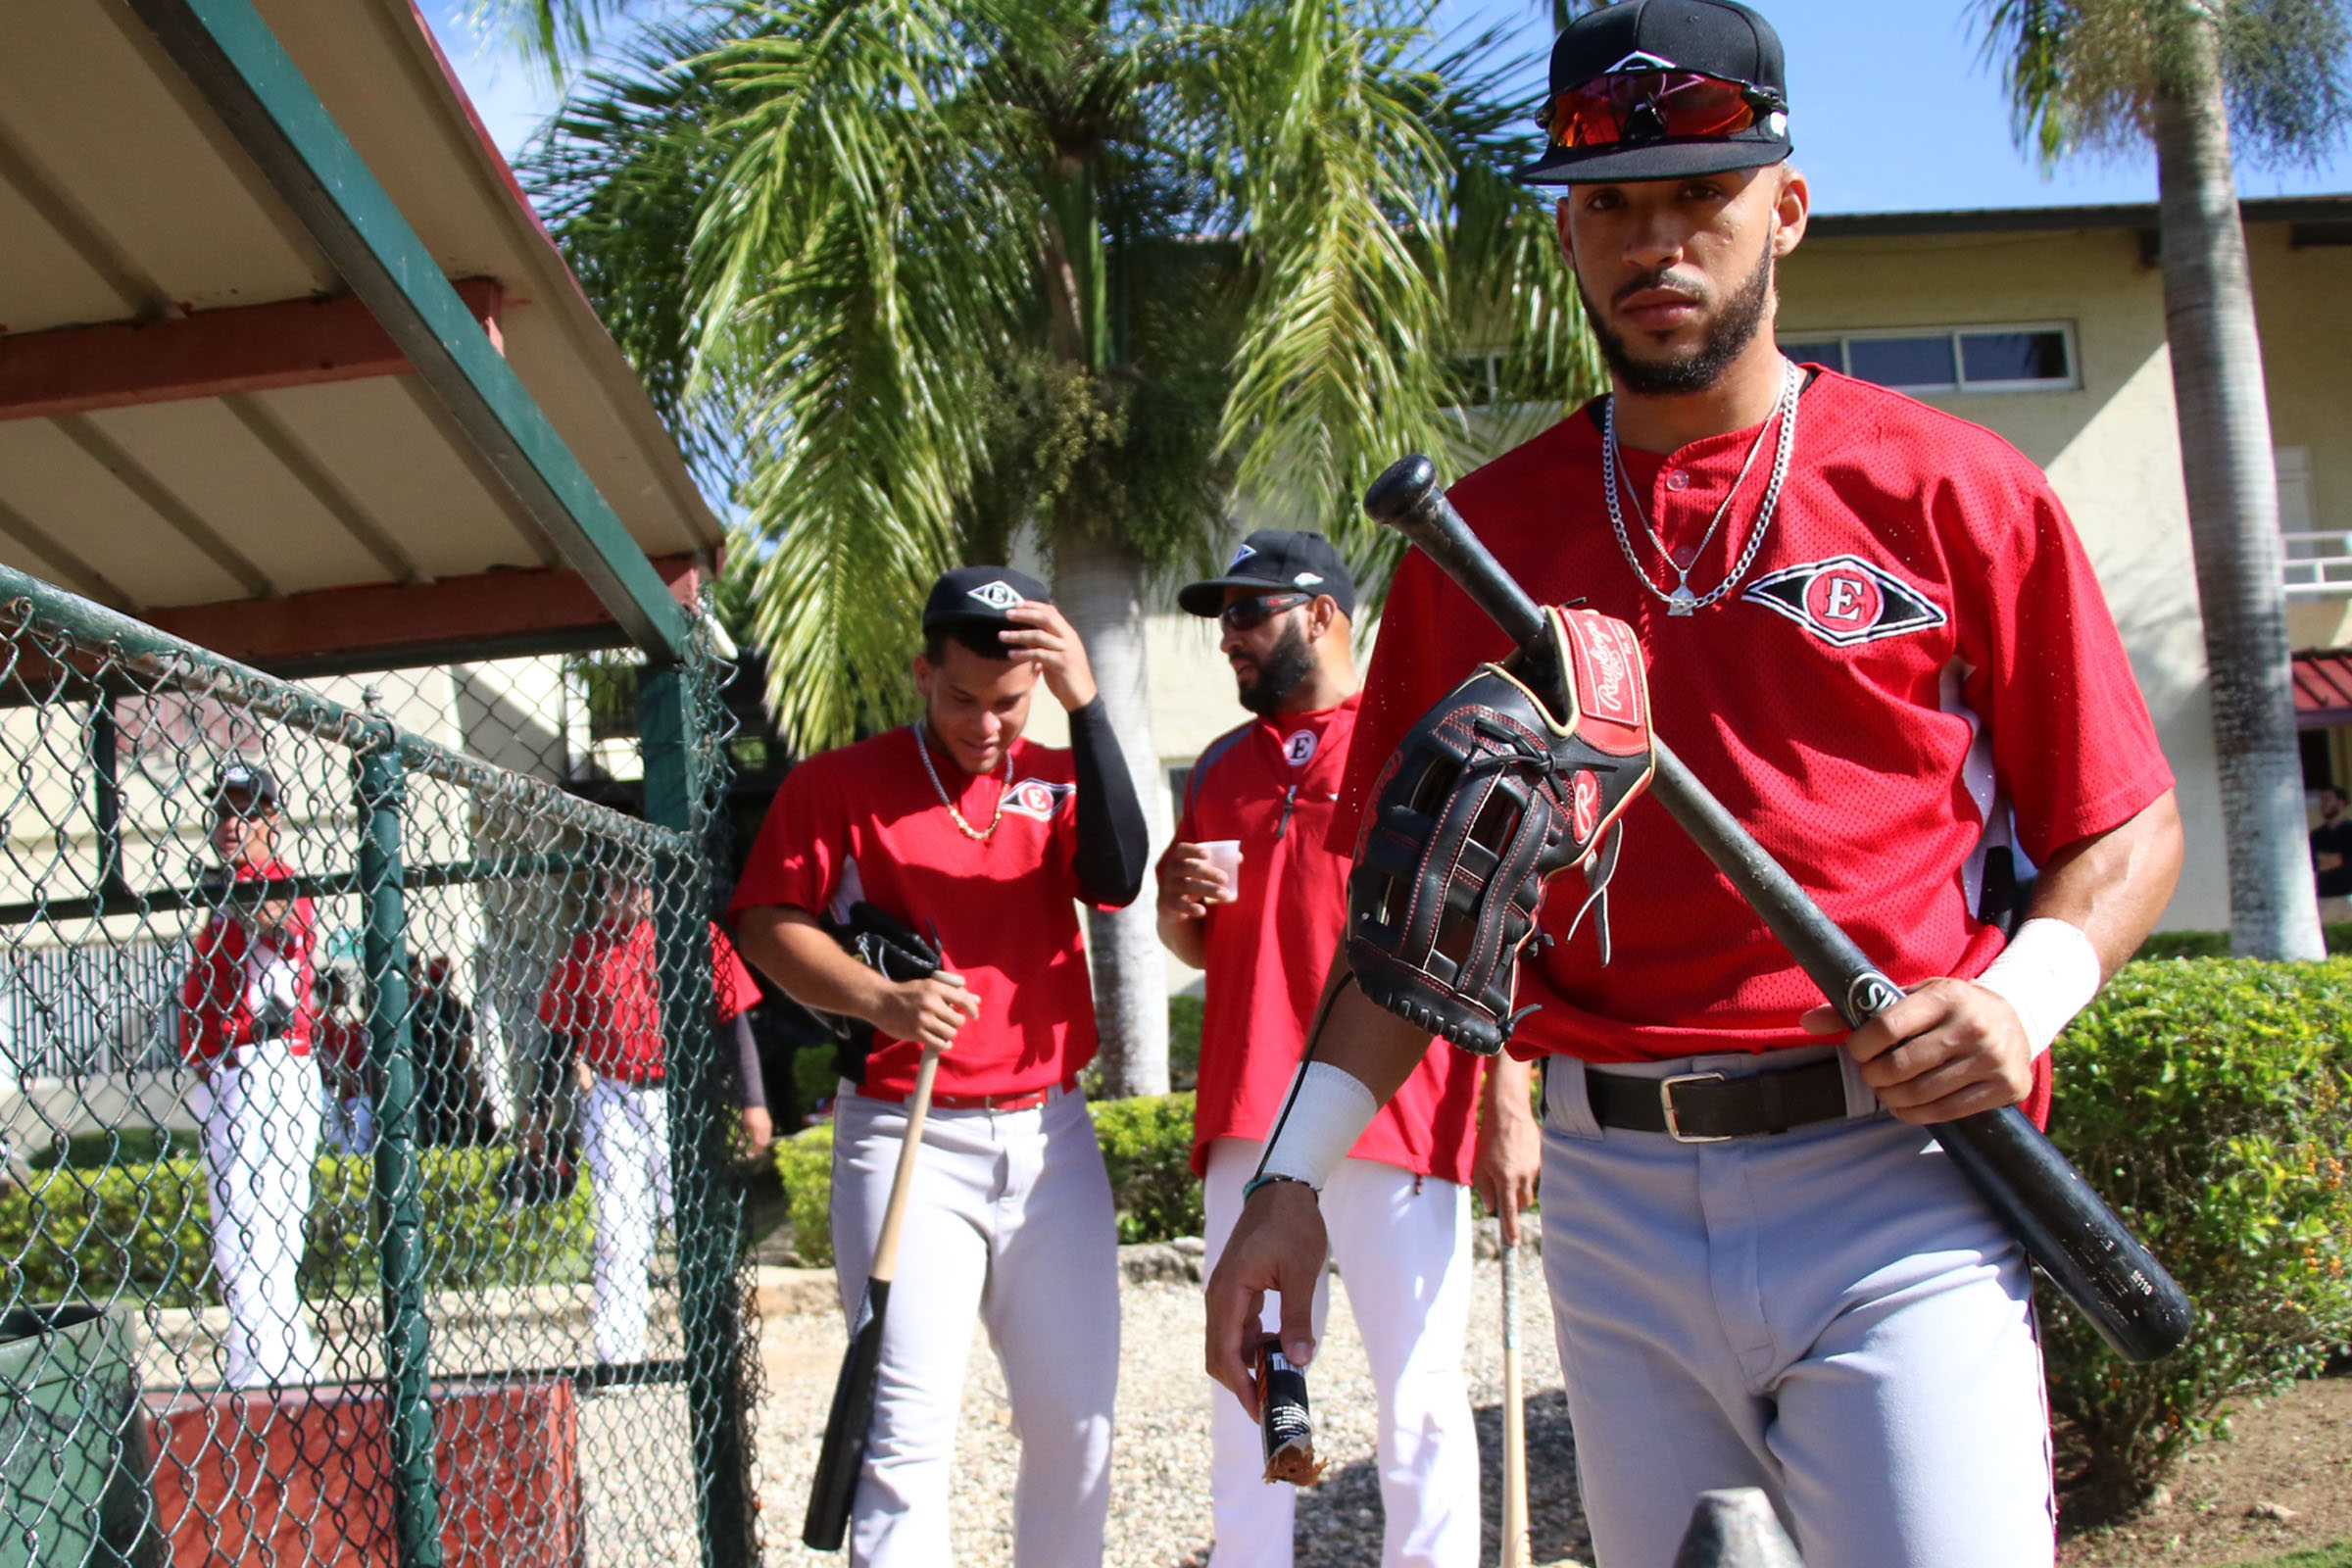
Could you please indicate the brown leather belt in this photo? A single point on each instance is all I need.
(1019, 1100)
(1706, 1108)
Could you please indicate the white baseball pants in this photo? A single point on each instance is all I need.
(1830, 1315)
(260, 1134)
(625, 1135)
(1403, 1249)
(1009, 1223)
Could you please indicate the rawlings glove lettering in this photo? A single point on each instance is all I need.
(1522, 772)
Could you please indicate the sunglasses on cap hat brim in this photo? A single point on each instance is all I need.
(1655, 105)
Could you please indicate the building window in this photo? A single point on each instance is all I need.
(1179, 778)
(1960, 359)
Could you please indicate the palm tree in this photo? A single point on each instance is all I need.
(2185, 75)
(925, 277)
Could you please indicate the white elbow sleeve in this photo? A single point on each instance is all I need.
(1327, 1111)
(2049, 972)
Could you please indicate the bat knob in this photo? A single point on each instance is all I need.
(1402, 489)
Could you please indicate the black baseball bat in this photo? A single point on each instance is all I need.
(2063, 1225)
(843, 1456)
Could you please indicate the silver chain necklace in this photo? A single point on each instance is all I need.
(1682, 600)
(922, 746)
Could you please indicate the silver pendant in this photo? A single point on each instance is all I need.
(1681, 602)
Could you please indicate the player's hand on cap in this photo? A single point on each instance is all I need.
(927, 1012)
(1041, 634)
(1277, 1244)
(1948, 1049)
(1190, 881)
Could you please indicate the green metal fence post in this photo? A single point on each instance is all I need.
(398, 1199)
(708, 1218)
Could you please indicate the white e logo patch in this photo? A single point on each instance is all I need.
(1298, 747)
(1846, 600)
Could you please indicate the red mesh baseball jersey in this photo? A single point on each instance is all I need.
(863, 822)
(1273, 784)
(605, 998)
(1918, 655)
(244, 985)
(738, 992)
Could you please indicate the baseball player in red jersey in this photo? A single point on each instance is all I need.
(603, 1003)
(1873, 634)
(1261, 801)
(984, 842)
(245, 1025)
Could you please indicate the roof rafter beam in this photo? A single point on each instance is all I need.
(209, 354)
(385, 625)
(241, 71)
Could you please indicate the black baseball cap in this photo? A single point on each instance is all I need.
(1717, 38)
(979, 596)
(249, 779)
(1275, 560)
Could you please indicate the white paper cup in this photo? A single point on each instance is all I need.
(1226, 855)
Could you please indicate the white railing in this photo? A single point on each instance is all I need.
(2318, 565)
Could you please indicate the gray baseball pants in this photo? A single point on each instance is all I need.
(1830, 1315)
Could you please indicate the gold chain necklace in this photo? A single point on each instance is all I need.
(922, 746)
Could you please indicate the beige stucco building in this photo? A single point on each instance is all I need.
(2047, 325)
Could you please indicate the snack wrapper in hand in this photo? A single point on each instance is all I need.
(1290, 1435)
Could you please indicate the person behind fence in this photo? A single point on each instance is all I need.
(453, 1105)
(339, 1042)
(1251, 893)
(245, 1028)
(2331, 854)
(603, 1008)
(983, 842)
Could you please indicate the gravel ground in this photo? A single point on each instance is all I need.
(1159, 1501)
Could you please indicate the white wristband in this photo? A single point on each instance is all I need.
(2049, 972)
(1328, 1110)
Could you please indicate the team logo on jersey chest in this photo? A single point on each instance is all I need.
(1846, 600)
(1034, 797)
(1298, 747)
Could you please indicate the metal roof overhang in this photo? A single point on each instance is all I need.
(2323, 688)
(287, 363)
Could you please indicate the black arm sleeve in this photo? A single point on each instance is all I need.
(1114, 846)
(751, 1086)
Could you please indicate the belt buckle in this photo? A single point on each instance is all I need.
(1673, 1125)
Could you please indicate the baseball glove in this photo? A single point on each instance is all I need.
(884, 943)
(1521, 772)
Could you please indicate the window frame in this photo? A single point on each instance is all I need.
(1963, 386)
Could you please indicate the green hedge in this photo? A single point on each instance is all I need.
(2210, 1101)
(805, 1165)
(2216, 944)
(1146, 1147)
(142, 1232)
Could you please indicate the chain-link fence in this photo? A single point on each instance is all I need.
(369, 1192)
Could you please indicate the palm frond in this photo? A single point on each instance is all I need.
(553, 36)
(859, 267)
(2084, 74)
(1338, 192)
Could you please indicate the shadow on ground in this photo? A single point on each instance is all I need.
(1339, 1523)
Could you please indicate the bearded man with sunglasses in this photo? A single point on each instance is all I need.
(1264, 920)
(1874, 636)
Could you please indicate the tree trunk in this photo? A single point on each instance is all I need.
(2226, 462)
(1098, 586)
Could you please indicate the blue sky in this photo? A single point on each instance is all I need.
(1891, 109)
